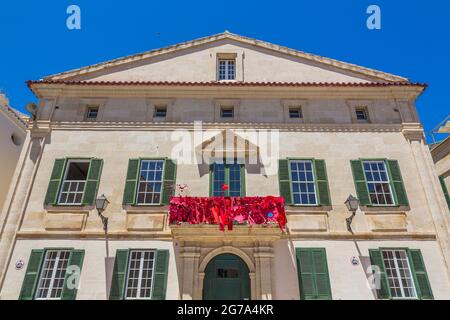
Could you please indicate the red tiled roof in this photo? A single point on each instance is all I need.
(229, 84)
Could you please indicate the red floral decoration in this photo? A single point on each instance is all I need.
(227, 211)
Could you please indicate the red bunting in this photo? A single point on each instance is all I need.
(228, 211)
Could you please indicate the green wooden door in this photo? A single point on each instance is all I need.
(226, 278)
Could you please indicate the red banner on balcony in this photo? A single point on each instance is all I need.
(228, 211)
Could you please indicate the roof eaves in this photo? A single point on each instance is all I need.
(15, 116)
(30, 83)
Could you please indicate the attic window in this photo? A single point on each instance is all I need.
(362, 114)
(295, 113)
(226, 112)
(160, 112)
(92, 112)
(227, 69)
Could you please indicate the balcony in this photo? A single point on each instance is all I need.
(227, 212)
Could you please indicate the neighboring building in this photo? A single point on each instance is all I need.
(13, 131)
(441, 156)
(125, 129)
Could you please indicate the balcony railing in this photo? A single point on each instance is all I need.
(228, 211)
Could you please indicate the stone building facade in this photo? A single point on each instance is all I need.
(13, 131)
(132, 129)
(441, 157)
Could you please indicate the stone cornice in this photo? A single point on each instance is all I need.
(406, 92)
(189, 126)
(212, 232)
(413, 132)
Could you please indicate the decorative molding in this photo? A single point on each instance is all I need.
(229, 90)
(85, 102)
(303, 104)
(189, 126)
(234, 103)
(413, 132)
(368, 104)
(152, 103)
(212, 232)
(216, 234)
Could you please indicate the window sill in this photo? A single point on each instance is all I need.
(385, 209)
(307, 209)
(68, 208)
(155, 208)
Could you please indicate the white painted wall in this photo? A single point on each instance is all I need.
(348, 282)
(9, 152)
(199, 64)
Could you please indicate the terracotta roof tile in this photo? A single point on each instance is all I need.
(228, 84)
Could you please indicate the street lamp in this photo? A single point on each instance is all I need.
(100, 204)
(352, 204)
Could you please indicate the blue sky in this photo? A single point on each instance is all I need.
(414, 40)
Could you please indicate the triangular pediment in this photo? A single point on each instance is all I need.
(227, 145)
(195, 61)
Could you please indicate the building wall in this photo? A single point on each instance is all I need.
(263, 110)
(441, 157)
(337, 148)
(10, 152)
(348, 282)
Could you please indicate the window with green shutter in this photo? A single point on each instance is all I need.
(304, 182)
(140, 274)
(52, 274)
(313, 276)
(379, 183)
(32, 275)
(445, 190)
(402, 274)
(74, 182)
(56, 178)
(150, 182)
(119, 275)
(229, 174)
(284, 181)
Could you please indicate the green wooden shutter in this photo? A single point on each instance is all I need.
(376, 259)
(211, 180)
(32, 275)
(322, 283)
(397, 183)
(160, 275)
(76, 259)
(423, 286)
(313, 276)
(129, 195)
(51, 197)
(170, 172)
(444, 188)
(360, 182)
(93, 180)
(243, 189)
(284, 180)
(119, 275)
(322, 183)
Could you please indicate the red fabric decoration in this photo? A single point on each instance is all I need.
(227, 211)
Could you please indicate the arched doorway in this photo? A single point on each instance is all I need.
(226, 278)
